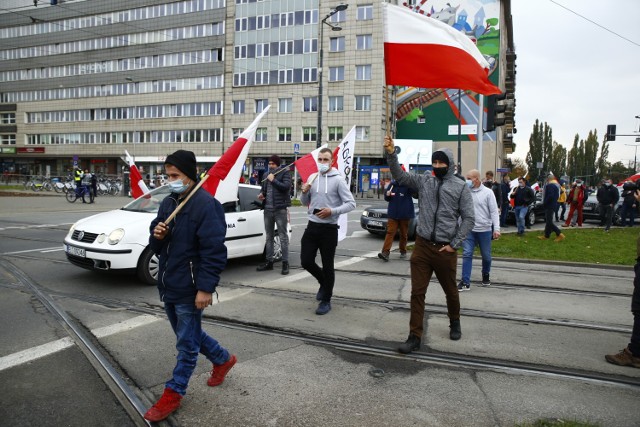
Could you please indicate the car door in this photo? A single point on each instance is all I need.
(245, 224)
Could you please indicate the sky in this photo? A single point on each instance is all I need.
(575, 75)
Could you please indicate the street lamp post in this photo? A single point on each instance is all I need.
(634, 156)
(324, 22)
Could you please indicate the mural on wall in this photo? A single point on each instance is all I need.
(428, 113)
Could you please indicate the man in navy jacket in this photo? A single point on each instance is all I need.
(399, 213)
(191, 255)
(550, 194)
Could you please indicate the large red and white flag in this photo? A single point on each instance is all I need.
(138, 187)
(307, 165)
(343, 161)
(423, 52)
(224, 175)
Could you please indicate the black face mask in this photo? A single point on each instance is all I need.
(440, 172)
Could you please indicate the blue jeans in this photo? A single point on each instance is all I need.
(628, 211)
(186, 321)
(504, 213)
(521, 213)
(483, 240)
(276, 217)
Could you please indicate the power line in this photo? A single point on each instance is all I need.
(595, 23)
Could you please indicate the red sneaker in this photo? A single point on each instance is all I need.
(168, 403)
(220, 371)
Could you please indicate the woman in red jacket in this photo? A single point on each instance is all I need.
(576, 199)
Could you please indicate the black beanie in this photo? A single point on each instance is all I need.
(185, 161)
(440, 155)
(275, 159)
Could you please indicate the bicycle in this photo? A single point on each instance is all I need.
(72, 196)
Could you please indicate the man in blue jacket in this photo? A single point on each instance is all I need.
(550, 195)
(399, 213)
(191, 255)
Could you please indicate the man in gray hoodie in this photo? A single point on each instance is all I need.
(327, 196)
(446, 217)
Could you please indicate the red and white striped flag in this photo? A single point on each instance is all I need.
(224, 175)
(307, 165)
(138, 187)
(423, 52)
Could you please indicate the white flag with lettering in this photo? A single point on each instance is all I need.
(343, 157)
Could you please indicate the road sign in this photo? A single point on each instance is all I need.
(296, 148)
(464, 129)
(503, 170)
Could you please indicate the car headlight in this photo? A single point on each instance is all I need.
(71, 230)
(115, 236)
(365, 213)
(101, 238)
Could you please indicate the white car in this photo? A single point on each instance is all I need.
(118, 240)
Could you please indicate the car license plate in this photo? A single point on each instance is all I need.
(72, 250)
(375, 223)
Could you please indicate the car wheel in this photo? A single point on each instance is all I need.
(148, 267)
(617, 218)
(277, 249)
(531, 216)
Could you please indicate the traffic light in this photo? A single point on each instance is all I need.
(494, 110)
(611, 133)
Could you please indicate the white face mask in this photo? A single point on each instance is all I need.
(324, 167)
(178, 186)
(469, 183)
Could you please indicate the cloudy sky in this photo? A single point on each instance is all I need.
(575, 75)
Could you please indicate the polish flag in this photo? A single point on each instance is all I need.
(423, 52)
(224, 175)
(535, 187)
(138, 187)
(307, 165)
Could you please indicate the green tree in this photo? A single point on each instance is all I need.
(557, 163)
(540, 147)
(603, 164)
(590, 157)
(518, 168)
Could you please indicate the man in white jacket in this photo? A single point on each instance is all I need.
(486, 228)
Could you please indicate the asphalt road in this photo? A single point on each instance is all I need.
(296, 368)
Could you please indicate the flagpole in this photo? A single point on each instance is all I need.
(459, 131)
(284, 168)
(386, 97)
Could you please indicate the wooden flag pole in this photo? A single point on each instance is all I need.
(386, 91)
(184, 202)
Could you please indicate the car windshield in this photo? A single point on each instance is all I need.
(248, 198)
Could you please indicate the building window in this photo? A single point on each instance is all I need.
(364, 42)
(284, 105)
(340, 16)
(335, 133)
(261, 135)
(363, 72)
(284, 134)
(238, 107)
(8, 139)
(261, 104)
(336, 103)
(8, 118)
(362, 133)
(310, 103)
(336, 44)
(309, 134)
(363, 103)
(235, 133)
(336, 74)
(364, 12)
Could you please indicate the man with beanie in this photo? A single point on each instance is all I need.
(192, 255)
(326, 196)
(485, 229)
(630, 355)
(550, 195)
(275, 195)
(446, 217)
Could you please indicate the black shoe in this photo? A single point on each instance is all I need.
(411, 344)
(285, 267)
(266, 266)
(383, 256)
(455, 333)
(323, 308)
(485, 279)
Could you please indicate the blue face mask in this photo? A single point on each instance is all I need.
(324, 167)
(178, 186)
(469, 183)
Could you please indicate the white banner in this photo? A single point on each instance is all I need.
(345, 151)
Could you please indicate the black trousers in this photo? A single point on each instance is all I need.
(549, 226)
(634, 345)
(323, 237)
